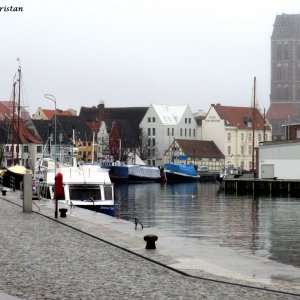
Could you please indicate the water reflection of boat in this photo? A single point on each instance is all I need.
(86, 185)
(180, 173)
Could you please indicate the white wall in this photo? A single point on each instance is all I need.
(284, 157)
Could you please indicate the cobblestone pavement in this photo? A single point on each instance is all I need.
(43, 259)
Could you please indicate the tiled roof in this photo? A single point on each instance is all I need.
(239, 116)
(200, 149)
(127, 118)
(49, 113)
(64, 126)
(6, 108)
(281, 111)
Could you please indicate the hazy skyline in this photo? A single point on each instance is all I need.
(134, 53)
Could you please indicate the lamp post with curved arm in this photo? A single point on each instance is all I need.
(53, 99)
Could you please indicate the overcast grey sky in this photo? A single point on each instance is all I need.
(136, 52)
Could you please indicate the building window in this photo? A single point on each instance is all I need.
(153, 152)
(149, 142)
(185, 120)
(153, 131)
(228, 137)
(153, 162)
(190, 132)
(286, 51)
(229, 150)
(286, 92)
(149, 153)
(249, 137)
(89, 153)
(153, 142)
(39, 149)
(242, 165)
(25, 148)
(89, 144)
(278, 51)
(168, 132)
(189, 120)
(259, 137)
(249, 150)
(194, 132)
(242, 137)
(180, 131)
(286, 72)
(172, 131)
(242, 150)
(153, 120)
(149, 120)
(185, 131)
(279, 72)
(250, 165)
(7, 149)
(149, 162)
(149, 131)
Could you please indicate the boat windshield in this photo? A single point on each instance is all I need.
(90, 192)
(108, 192)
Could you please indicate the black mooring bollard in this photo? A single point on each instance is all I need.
(63, 212)
(150, 239)
(3, 192)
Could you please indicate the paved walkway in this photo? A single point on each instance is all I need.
(42, 258)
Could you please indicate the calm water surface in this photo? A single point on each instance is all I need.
(268, 227)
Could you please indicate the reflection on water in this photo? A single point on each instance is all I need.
(262, 226)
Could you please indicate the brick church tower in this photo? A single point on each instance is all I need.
(285, 73)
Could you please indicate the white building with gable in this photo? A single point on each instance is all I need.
(164, 123)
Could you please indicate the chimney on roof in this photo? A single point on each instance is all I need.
(101, 111)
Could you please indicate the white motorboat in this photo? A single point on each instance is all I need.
(84, 185)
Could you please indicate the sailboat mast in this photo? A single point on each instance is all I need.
(13, 125)
(253, 122)
(18, 119)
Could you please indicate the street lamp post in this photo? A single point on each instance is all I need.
(53, 99)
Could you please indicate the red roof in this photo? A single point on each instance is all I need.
(200, 149)
(49, 113)
(239, 117)
(280, 111)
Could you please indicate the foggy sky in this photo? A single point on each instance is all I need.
(136, 52)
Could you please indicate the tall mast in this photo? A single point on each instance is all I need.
(253, 122)
(18, 119)
(13, 125)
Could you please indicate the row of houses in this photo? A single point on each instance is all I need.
(158, 134)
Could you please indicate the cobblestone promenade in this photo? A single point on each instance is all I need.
(43, 259)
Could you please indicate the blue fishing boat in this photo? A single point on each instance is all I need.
(180, 173)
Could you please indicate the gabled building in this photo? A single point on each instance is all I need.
(231, 129)
(161, 125)
(197, 153)
(48, 114)
(124, 119)
(21, 143)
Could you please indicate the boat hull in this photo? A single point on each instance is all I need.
(178, 177)
(133, 178)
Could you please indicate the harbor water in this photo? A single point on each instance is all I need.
(258, 226)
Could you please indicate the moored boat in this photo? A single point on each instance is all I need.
(180, 173)
(139, 173)
(86, 185)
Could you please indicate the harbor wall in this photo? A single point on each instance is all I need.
(265, 187)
